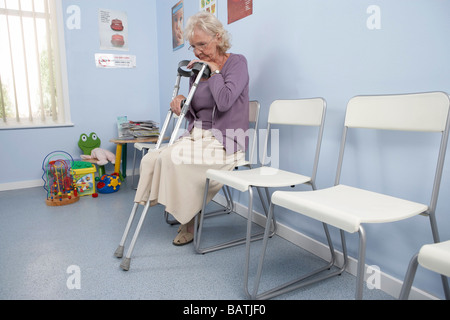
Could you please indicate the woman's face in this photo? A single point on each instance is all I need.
(204, 45)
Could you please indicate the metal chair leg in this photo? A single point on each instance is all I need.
(291, 285)
(226, 210)
(436, 238)
(361, 264)
(169, 221)
(224, 245)
(409, 278)
(134, 166)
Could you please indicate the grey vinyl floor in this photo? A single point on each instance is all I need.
(67, 253)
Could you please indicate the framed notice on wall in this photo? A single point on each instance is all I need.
(177, 26)
(239, 9)
(209, 6)
(113, 29)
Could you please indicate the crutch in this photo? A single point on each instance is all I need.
(202, 71)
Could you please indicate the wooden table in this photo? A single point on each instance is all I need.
(121, 152)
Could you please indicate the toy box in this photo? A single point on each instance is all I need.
(85, 180)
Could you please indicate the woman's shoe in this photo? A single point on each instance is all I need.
(183, 238)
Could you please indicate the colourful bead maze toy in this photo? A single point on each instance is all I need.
(58, 180)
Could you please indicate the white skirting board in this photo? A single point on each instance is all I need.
(389, 284)
(21, 185)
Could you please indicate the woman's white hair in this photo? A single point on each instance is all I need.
(208, 23)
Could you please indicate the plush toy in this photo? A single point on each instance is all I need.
(87, 143)
(90, 145)
(102, 155)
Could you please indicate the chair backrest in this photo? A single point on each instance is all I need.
(423, 112)
(408, 112)
(254, 109)
(300, 112)
(306, 112)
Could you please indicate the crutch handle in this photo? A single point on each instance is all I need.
(195, 69)
(184, 72)
(198, 67)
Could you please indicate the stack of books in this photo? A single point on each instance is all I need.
(141, 129)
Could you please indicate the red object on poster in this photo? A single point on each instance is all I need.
(239, 9)
(117, 25)
(117, 40)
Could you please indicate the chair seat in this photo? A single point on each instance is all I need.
(148, 146)
(242, 163)
(347, 207)
(142, 145)
(436, 257)
(258, 177)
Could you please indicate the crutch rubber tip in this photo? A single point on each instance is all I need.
(119, 252)
(125, 265)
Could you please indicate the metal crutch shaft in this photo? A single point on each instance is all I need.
(119, 250)
(125, 265)
(187, 103)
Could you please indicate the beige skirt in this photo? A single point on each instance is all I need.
(175, 176)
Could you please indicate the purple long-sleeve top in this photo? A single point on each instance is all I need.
(221, 104)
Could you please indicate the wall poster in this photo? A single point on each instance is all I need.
(113, 30)
(177, 26)
(209, 6)
(239, 9)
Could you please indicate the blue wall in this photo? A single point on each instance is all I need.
(300, 49)
(295, 49)
(97, 96)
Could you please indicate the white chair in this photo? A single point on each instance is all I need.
(434, 257)
(349, 208)
(254, 109)
(301, 112)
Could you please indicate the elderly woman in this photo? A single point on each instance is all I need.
(175, 176)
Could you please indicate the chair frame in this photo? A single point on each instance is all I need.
(362, 235)
(412, 268)
(255, 109)
(270, 228)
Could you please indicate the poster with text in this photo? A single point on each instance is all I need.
(103, 60)
(209, 6)
(177, 26)
(113, 29)
(239, 9)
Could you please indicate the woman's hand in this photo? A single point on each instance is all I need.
(175, 104)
